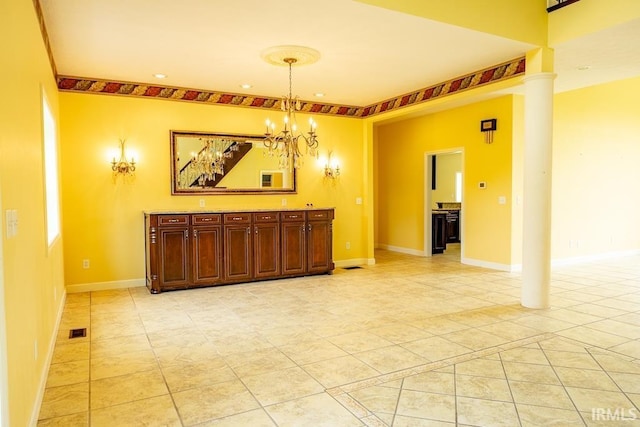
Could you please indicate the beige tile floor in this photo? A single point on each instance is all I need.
(410, 341)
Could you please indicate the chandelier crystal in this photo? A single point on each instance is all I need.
(209, 161)
(285, 144)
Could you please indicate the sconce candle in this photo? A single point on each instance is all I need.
(331, 167)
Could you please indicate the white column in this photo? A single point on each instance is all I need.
(536, 233)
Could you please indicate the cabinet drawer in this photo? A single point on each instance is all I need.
(237, 218)
(265, 217)
(292, 216)
(206, 219)
(173, 220)
(318, 215)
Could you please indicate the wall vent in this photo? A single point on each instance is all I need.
(77, 333)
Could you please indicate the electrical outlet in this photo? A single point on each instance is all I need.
(284, 202)
(202, 203)
(85, 263)
(358, 200)
(348, 245)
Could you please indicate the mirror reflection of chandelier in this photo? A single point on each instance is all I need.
(209, 161)
(286, 143)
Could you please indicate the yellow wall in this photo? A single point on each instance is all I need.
(446, 167)
(103, 220)
(33, 276)
(402, 145)
(596, 153)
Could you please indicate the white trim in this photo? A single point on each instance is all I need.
(45, 372)
(350, 262)
(103, 286)
(4, 371)
(590, 258)
(488, 264)
(401, 250)
(354, 262)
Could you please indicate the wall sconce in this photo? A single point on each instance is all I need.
(331, 168)
(487, 127)
(122, 166)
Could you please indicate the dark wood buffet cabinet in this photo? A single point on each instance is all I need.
(186, 250)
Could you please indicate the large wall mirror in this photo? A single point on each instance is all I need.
(216, 163)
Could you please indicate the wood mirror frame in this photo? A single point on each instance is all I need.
(248, 167)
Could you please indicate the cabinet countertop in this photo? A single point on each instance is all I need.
(203, 211)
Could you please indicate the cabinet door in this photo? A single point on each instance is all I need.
(266, 250)
(319, 246)
(453, 227)
(174, 254)
(237, 252)
(207, 254)
(439, 233)
(293, 247)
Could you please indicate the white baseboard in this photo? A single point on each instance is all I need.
(45, 372)
(590, 258)
(103, 286)
(488, 264)
(401, 249)
(353, 262)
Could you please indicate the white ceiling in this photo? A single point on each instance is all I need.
(368, 54)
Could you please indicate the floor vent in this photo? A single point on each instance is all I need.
(354, 267)
(77, 333)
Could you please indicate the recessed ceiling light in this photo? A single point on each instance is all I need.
(584, 67)
(160, 76)
(245, 86)
(318, 94)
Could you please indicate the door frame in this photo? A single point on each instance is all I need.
(4, 380)
(428, 202)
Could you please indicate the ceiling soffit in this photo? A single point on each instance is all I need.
(473, 80)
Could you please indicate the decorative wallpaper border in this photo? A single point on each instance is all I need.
(476, 79)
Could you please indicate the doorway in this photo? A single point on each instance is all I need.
(444, 195)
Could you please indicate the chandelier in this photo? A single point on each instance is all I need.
(285, 144)
(209, 161)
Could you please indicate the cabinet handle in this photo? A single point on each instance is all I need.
(302, 228)
(206, 219)
(186, 234)
(309, 227)
(237, 218)
(248, 230)
(256, 230)
(293, 216)
(195, 234)
(173, 220)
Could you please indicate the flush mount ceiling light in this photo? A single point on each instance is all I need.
(160, 76)
(285, 143)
